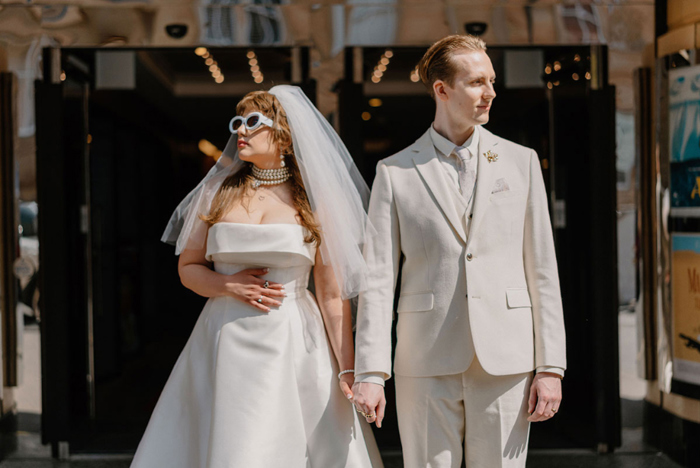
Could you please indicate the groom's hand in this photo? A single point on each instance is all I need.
(369, 398)
(545, 396)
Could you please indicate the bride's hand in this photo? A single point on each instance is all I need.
(246, 286)
(346, 381)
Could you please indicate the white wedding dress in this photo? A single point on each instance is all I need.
(252, 389)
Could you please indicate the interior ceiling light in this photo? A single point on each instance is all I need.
(415, 77)
(211, 64)
(208, 148)
(381, 66)
(254, 67)
(375, 102)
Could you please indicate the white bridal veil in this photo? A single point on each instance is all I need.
(337, 193)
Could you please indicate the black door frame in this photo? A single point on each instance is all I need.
(61, 243)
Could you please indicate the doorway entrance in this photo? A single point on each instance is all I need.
(122, 137)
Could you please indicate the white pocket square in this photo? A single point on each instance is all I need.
(500, 186)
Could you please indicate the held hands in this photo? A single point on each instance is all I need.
(369, 399)
(345, 383)
(246, 286)
(545, 396)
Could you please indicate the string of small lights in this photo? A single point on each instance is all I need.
(254, 67)
(415, 77)
(211, 63)
(556, 72)
(381, 66)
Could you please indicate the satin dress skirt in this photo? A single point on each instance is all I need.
(257, 390)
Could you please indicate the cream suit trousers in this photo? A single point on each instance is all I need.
(485, 414)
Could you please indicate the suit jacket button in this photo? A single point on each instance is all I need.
(470, 256)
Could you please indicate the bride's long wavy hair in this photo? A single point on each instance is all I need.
(239, 185)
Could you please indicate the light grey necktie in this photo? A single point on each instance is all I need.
(467, 177)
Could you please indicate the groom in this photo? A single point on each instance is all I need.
(480, 307)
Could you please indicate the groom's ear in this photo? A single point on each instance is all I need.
(439, 90)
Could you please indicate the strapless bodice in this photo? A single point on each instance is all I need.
(263, 245)
(233, 247)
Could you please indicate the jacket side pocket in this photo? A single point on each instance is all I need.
(518, 297)
(415, 302)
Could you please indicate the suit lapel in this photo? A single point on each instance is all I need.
(431, 171)
(486, 177)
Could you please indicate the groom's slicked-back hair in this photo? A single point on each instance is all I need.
(437, 62)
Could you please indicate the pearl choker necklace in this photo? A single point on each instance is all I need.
(269, 176)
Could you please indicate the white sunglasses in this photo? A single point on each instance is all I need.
(253, 121)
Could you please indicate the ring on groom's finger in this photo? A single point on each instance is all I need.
(266, 285)
(366, 415)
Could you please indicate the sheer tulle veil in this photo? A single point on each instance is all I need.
(337, 192)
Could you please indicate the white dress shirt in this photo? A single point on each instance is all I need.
(446, 150)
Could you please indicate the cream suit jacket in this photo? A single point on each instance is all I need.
(486, 285)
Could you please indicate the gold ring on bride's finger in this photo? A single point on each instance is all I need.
(361, 412)
(266, 285)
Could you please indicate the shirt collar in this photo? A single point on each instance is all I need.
(446, 147)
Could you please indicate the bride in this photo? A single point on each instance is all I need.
(260, 383)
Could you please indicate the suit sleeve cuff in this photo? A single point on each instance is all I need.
(370, 377)
(554, 370)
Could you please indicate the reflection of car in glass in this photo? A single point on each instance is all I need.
(26, 267)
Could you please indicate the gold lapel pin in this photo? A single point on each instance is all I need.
(491, 156)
